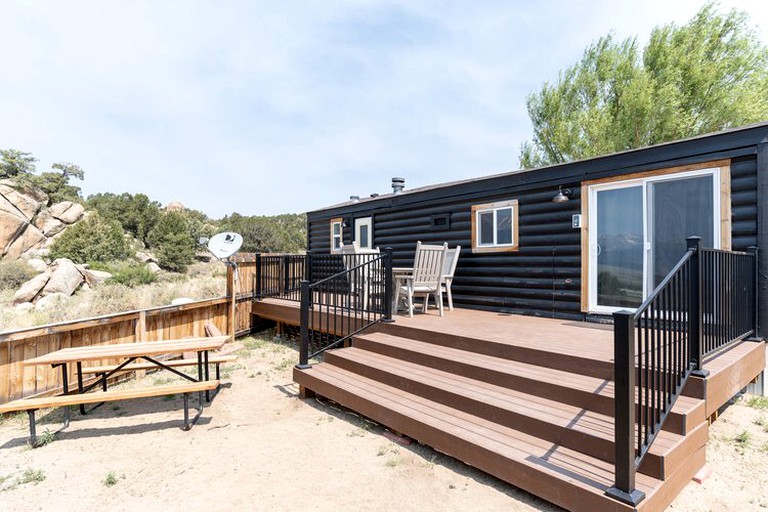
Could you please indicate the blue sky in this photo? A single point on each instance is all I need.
(262, 107)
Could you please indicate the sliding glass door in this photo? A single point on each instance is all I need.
(638, 230)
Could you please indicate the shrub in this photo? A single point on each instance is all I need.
(133, 274)
(136, 213)
(172, 242)
(93, 239)
(14, 273)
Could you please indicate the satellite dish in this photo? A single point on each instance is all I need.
(225, 244)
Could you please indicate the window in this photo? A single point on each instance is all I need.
(364, 232)
(494, 227)
(336, 235)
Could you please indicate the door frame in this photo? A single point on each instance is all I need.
(719, 170)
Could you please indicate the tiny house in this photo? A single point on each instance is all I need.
(542, 395)
(578, 240)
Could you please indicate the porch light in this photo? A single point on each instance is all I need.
(563, 196)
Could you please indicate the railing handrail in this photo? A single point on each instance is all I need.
(663, 284)
(338, 275)
(670, 332)
(360, 315)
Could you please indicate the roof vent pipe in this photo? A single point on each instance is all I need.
(398, 184)
(354, 199)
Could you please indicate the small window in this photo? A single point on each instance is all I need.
(336, 235)
(494, 227)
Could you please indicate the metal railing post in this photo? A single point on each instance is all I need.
(257, 277)
(624, 415)
(304, 321)
(695, 319)
(308, 267)
(753, 250)
(388, 284)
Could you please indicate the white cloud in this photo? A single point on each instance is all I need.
(268, 107)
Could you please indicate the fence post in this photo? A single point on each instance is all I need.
(388, 284)
(257, 277)
(304, 321)
(624, 415)
(753, 250)
(695, 319)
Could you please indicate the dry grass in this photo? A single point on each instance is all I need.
(202, 281)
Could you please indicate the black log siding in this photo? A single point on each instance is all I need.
(743, 203)
(544, 276)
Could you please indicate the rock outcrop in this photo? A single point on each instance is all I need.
(27, 226)
(62, 279)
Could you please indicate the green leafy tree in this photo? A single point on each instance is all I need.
(708, 75)
(20, 166)
(14, 163)
(280, 233)
(135, 212)
(93, 239)
(172, 242)
(57, 183)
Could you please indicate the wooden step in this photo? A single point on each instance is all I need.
(564, 424)
(563, 476)
(547, 356)
(584, 391)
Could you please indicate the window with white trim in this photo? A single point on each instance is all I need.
(494, 227)
(336, 234)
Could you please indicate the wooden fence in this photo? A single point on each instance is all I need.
(152, 324)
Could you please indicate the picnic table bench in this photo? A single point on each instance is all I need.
(30, 405)
(128, 353)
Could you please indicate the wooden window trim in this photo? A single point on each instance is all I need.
(340, 221)
(725, 209)
(492, 206)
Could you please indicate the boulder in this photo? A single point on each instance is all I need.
(145, 257)
(94, 277)
(181, 300)
(31, 289)
(37, 264)
(50, 301)
(11, 226)
(153, 267)
(31, 238)
(28, 202)
(65, 278)
(67, 211)
(52, 226)
(23, 307)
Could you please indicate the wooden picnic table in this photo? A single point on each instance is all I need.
(137, 349)
(127, 353)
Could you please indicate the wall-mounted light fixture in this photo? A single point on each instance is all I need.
(563, 196)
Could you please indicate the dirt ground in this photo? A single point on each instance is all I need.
(259, 447)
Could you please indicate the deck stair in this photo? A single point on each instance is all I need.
(541, 423)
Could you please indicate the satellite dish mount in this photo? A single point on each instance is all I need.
(223, 246)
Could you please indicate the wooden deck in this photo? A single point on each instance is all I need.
(526, 399)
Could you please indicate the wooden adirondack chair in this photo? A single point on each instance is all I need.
(427, 276)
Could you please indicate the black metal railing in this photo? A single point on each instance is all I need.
(340, 306)
(728, 298)
(279, 276)
(707, 302)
